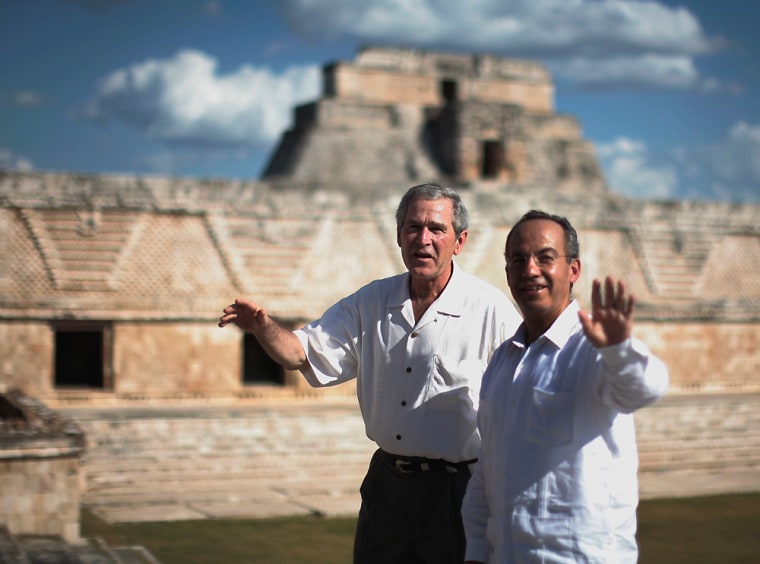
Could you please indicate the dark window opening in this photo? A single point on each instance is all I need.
(449, 90)
(329, 87)
(493, 159)
(79, 359)
(258, 366)
(563, 172)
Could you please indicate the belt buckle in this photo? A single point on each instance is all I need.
(400, 466)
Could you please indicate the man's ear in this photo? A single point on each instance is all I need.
(575, 270)
(461, 240)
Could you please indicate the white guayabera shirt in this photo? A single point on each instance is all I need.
(417, 383)
(556, 477)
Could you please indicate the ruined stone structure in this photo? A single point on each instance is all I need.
(110, 286)
(40, 478)
(395, 116)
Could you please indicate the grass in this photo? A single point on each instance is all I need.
(290, 540)
(705, 530)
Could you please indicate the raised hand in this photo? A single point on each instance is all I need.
(246, 314)
(611, 319)
(279, 343)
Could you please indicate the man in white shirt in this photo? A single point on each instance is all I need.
(418, 344)
(556, 476)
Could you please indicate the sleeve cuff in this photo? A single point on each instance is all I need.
(623, 353)
(477, 550)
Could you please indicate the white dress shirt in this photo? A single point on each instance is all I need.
(556, 477)
(417, 383)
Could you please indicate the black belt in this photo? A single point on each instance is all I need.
(412, 464)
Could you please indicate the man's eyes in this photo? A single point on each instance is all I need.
(546, 259)
(418, 228)
(543, 259)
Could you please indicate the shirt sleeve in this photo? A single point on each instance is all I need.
(475, 516)
(475, 507)
(331, 345)
(632, 376)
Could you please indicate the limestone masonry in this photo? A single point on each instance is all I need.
(40, 477)
(111, 285)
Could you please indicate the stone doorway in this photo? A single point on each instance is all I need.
(449, 90)
(492, 159)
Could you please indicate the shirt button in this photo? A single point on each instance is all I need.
(408, 369)
(414, 335)
(403, 403)
(398, 437)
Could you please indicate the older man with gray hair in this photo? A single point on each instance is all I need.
(417, 343)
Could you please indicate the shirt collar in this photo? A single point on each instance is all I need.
(559, 332)
(449, 302)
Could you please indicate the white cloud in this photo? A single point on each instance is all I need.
(742, 132)
(730, 168)
(185, 100)
(725, 170)
(212, 8)
(29, 99)
(11, 161)
(646, 70)
(596, 42)
(631, 172)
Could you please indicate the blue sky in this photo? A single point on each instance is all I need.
(668, 92)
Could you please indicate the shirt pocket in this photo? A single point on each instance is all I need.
(453, 380)
(550, 418)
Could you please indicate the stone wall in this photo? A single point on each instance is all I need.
(706, 356)
(377, 86)
(40, 474)
(153, 359)
(158, 259)
(40, 495)
(398, 75)
(26, 356)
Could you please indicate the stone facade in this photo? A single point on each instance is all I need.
(401, 116)
(40, 472)
(124, 277)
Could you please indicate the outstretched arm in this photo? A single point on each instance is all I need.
(611, 319)
(633, 377)
(279, 343)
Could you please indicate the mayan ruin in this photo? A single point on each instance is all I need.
(118, 266)
(111, 285)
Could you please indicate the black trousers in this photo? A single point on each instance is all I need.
(410, 517)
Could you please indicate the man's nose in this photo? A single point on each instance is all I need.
(531, 265)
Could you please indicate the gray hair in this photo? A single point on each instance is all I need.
(433, 191)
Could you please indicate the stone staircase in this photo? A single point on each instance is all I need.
(256, 460)
(308, 456)
(30, 549)
(699, 444)
(673, 259)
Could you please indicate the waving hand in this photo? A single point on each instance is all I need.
(611, 319)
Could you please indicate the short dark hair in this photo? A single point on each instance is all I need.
(433, 191)
(572, 247)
